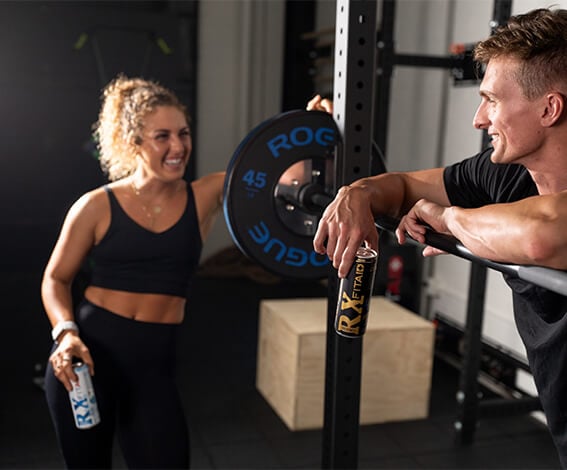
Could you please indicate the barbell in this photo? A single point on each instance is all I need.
(277, 184)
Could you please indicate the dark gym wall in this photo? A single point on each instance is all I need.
(49, 95)
(298, 84)
(50, 90)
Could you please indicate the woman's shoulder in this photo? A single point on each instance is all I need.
(210, 185)
(211, 179)
(93, 201)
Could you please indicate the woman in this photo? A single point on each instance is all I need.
(142, 236)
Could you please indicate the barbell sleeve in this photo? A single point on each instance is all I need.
(321, 199)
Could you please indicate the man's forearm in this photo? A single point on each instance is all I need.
(530, 231)
(394, 193)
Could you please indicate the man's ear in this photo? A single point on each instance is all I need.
(554, 109)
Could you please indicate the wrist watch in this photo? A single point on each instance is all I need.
(61, 327)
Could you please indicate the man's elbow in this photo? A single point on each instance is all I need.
(546, 249)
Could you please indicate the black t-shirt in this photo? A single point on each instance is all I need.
(477, 181)
(539, 313)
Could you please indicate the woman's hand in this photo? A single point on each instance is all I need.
(70, 346)
(320, 104)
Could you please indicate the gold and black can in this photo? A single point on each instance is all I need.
(355, 292)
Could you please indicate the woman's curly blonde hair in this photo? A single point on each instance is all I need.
(118, 131)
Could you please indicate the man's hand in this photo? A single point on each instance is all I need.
(422, 216)
(346, 223)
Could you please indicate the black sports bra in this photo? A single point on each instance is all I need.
(134, 259)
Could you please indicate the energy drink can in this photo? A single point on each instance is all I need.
(355, 292)
(83, 400)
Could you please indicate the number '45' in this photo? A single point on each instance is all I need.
(255, 178)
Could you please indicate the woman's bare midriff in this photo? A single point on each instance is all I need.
(156, 308)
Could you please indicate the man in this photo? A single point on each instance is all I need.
(507, 204)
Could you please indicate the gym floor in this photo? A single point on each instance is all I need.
(231, 425)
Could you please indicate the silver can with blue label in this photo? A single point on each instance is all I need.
(83, 399)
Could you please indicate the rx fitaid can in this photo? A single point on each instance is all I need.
(83, 400)
(355, 292)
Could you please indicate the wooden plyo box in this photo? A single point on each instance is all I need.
(397, 361)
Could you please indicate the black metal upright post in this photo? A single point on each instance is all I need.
(501, 11)
(353, 96)
(467, 395)
(385, 68)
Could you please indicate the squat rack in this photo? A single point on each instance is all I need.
(359, 54)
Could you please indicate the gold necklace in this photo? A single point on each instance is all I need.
(150, 214)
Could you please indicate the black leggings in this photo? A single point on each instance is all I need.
(136, 392)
